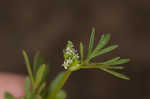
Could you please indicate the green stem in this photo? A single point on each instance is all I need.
(60, 85)
(93, 66)
(87, 67)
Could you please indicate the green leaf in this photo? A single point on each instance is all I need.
(115, 74)
(38, 61)
(115, 67)
(38, 97)
(42, 88)
(105, 50)
(57, 84)
(9, 96)
(40, 75)
(28, 66)
(121, 61)
(35, 62)
(56, 81)
(27, 86)
(91, 44)
(111, 60)
(102, 42)
(81, 51)
(23, 97)
(61, 95)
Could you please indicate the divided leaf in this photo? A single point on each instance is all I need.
(102, 42)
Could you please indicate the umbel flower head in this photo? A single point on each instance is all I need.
(71, 57)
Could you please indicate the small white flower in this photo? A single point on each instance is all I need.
(71, 56)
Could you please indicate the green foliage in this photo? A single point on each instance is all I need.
(61, 95)
(81, 51)
(38, 71)
(40, 75)
(102, 42)
(107, 66)
(38, 61)
(116, 74)
(91, 44)
(55, 82)
(8, 96)
(26, 58)
(27, 86)
(56, 85)
(103, 51)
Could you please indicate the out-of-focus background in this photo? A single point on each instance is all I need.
(46, 25)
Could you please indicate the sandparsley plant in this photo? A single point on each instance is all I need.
(73, 61)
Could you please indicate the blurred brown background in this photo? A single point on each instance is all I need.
(46, 25)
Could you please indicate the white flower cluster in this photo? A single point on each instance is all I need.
(71, 56)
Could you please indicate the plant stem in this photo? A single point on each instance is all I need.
(60, 85)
